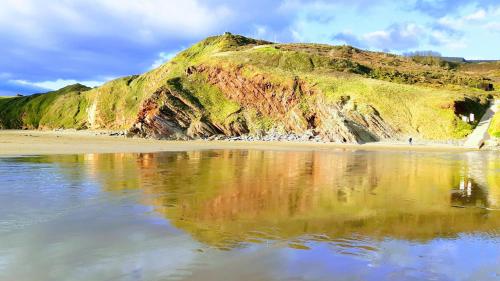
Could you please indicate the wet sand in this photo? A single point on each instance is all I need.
(17, 142)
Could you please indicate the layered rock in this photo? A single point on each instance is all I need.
(296, 107)
(169, 114)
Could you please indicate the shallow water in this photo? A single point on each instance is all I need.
(251, 215)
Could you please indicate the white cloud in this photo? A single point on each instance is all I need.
(478, 15)
(459, 22)
(144, 20)
(326, 6)
(402, 37)
(260, 31)
(492, 26)
(441, 38)
(294, 5)
(57, 84)
(171, 16)
(396, 37)
(163, 57)
(297, 36)
(376, 36)
(450, 22)
(495, 11)
(264, 32)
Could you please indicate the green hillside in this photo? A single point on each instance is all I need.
(234, 85)
(63, 108)
(494, 129)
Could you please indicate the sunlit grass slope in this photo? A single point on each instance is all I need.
(494, 129)
(64, 108)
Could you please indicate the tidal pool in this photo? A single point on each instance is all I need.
(251, 215)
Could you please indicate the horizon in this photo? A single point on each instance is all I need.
(91, 42)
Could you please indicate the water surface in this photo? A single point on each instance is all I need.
(251, 215)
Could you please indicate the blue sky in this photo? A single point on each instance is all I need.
(49, 44)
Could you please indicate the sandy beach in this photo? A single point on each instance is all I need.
(18, 142)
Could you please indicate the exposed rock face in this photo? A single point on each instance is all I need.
(338, 122)
(341, 123)
(92, 113)
(258, 92)
(169, 114)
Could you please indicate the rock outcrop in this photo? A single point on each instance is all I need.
(171, 114)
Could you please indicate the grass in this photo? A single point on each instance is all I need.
(116, 102)
(415, 95)
(320, 58)
(216, 106)
(57, 109)
(494, 129)
(258, 123)
(410, 109)
(434, 61)
(274, 57)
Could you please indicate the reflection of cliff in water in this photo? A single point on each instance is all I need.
(226, 197)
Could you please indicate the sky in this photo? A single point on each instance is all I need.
(46, 45)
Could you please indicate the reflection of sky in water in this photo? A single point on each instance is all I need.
(67, 219)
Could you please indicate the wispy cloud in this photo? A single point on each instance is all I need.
(458, 22)
(350, 38)
(478, 15)
(56, 84)
(439, 8)
(11, 88)
(162, 58)
(493, 26)
(396, 37)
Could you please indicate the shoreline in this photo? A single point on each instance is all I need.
(32, 142)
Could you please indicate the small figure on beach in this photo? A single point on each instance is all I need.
(410, 140)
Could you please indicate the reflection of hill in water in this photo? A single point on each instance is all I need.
(226, 197)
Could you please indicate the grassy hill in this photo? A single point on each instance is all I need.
(494, 129)
(490, 70)
(234, 85)
(495, 126)
(63, 108)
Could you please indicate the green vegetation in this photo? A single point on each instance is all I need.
(494, 129)
(491, 70)
(422, 70)
(415, 95)
(412, 109)
(434, 61)
(217, 106)
(57, 109)
(116, 103)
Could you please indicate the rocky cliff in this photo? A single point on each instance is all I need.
(297, 107)
(229, 86)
